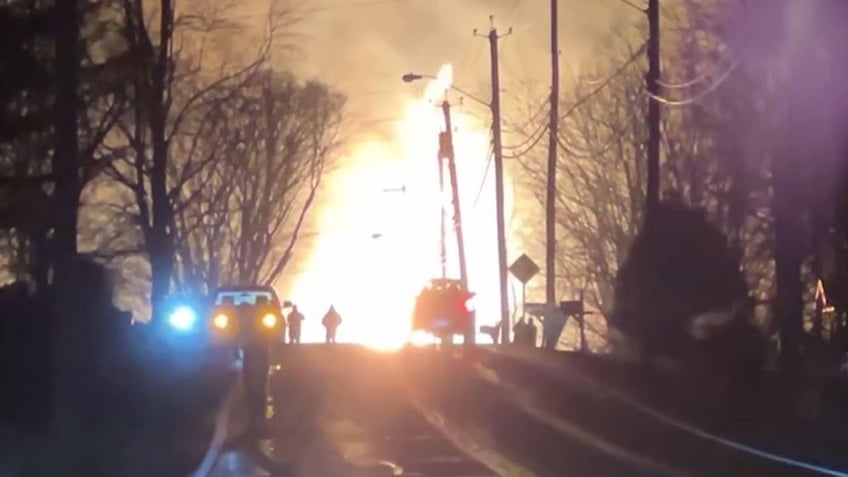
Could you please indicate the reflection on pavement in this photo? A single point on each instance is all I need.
(341, 411)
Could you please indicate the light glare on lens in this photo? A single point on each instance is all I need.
(221, 321)
(183, 318)
(469, 304)
(269, 320)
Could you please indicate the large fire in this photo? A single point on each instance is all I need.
(378, 248)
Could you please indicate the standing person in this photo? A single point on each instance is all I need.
(331, 322)
(525, 333)
(295, 319)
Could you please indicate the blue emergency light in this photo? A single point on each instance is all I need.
(183, 318)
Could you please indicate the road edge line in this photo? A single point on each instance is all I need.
(221, 432)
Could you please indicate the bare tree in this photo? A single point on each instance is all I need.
(247, 212)
(32, 165)
(172, 84)
(706, 163)
(714, 135)
(602, 174)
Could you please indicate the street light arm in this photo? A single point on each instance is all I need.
(410, 77)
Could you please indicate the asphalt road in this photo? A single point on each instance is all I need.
(345, 411)
(511, 424)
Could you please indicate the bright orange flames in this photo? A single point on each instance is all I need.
(373, 281)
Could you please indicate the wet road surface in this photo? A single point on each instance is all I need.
(344, 411)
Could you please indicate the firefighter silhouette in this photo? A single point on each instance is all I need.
(295, 319)
(331, 322)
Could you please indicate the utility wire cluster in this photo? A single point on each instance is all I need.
(489, 156)
(535, 136)
(697, 96)
(538, 133)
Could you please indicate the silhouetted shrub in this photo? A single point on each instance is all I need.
(679, 266)
(91, 363)
(24, 359)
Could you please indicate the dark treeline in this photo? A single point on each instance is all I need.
(139, 157)
(753, 118)
(754, 115)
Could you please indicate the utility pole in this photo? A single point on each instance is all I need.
(550, 201)
(443, 256)
(447, 153)
(652, 83)
(499, 177)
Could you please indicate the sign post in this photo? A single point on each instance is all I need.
(576, 309)
(524, 269)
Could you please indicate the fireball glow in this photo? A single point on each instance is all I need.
(373, 282)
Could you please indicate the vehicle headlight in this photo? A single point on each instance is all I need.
(183, 318)
(269, 320)
(221, 321)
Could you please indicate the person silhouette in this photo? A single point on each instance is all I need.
(295, 319)
(331, 322)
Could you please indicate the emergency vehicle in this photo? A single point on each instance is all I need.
(444, 308)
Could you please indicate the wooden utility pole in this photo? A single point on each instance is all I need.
(652, 79)
(447, 153)
(550, 202)
(499, 178)
(443, 256)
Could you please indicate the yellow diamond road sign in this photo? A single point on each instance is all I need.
(524, 268)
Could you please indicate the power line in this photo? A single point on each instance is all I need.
(565, 147)
(489, 156)
(685, 84)
(516, 5)
(362, 3)
(540, 109)
(532, 137)
(604, 83)
(633, 6)
(304, 10)
(465, 57)
(512, 75)
(535, 141)
(375, 92)
(375, 121)
(515, 14)
(694, 99)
